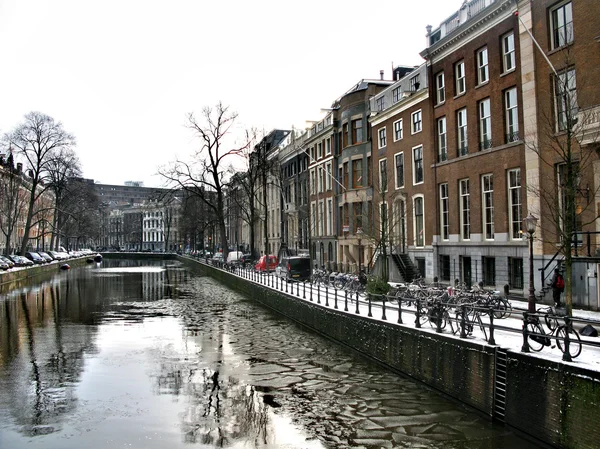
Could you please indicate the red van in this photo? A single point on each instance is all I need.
(266, 263)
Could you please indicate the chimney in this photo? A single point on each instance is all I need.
(381, 74)
(19, 167)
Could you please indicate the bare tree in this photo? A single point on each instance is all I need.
(205, 175)
(13, 202)
(37, 140)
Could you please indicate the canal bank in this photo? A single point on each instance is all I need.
(555, 403)
(11, 279)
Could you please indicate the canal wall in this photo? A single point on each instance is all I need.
(555, 403)
(14, 277)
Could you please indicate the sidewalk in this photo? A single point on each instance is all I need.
(520, 304)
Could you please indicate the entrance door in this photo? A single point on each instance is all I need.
(466, 271)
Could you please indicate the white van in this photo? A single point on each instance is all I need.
(234, 257)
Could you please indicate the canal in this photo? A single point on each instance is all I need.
(130, 354)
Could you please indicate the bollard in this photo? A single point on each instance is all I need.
(357, 309)
(346, 301)
(491, 340)
(326, 296)
(286, 284)
(437, 311)
(298, 289)
(567, 354)
(369, 298)
(418, 314)
(335, 298)
(311, 291)
(318, 293)
(383, 317)
(463, 321)
(399, 310)
(304, 291)
(525, 347)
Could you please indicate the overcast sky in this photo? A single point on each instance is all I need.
(121, 75)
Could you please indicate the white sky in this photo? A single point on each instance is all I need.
(121, 75)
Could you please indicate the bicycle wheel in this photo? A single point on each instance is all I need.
(574, 341)
(501, 307)
(536, 342)
(551, 321)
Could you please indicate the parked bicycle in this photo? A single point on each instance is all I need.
(538, 337)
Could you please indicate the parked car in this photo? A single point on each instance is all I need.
(234, 258)
(35, 257)
(21, 261)
(57, 255)
(7, 261)
(217, 259)
(266, 263)
(295, 268)
(47, 257)
(246, 260)
(4, 266)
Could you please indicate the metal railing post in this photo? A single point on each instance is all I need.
(567, 354)
(491, 340)
(357, 309)
(418, 314)
(335, 300)
(463, 321)
(383, 317)
(369, 298)
(318, 294)
(326, 296)
(399, 310)
(525, 347)
(345, 300)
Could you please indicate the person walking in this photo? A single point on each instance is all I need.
(558, 286)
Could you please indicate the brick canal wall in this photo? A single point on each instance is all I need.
(556, 403)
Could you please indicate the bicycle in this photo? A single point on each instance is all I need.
(538, 337)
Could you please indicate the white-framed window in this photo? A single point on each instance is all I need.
(416, 122)
(561, 23)
(461, 123)
(321, 218)
(440, 88)
(383, 175)
(419, 221)
(465, 209)
(397, 94)
(444, 212)
(382, 139)
(399, 167)
(319, 150)
(565, 89)
(328, 175)
(398, 130)
(514, 203)
(330, 217)
(442, 143)
(380, 104)
(313, 182)
(483, 73)
(459, 76)
(487, 200)
(328, 146)
(418, 173)
(320, 178)
(508, 52)
(511, 109)
(485, 124)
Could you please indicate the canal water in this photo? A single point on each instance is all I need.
(127, 354)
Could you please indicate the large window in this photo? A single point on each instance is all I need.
(487, 192)
(461, 123)
(382, 138)
(444, 212)
(357, 173)
(414, 83)
(383, 175)
(514, 203)
(329, 217)
(380, 104)
(440, 88)
(561, 21)
(398, 130)
(465, 210)
(441, 139)
(483, 73)
(358, 215)
(328, 146)
(459, 76)
(508, 52)
(515, 272)
(511, 115)
(485, 125)
(313, 182)
(399, 163)
(328, 175)
(345, 132)
(419, 227)
(417, 122)
(346, 174)
(397, 94)
(418, 165)
(357, 131)
(566, 98)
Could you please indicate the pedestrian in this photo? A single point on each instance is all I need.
(558, 286)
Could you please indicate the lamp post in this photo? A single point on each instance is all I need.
(530, 223)
(359, 233)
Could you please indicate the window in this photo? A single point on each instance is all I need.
(512, 115)
(321, 218)
(566, 99)
(320, 178)
(320, 150)
(461, 121)
(398, 130)
(383, 175)
(485, 125)
(358, 215)
(328, 175)
(418, 165)
(508, 52)
(465, 210)
(417, 122)
(369, 171)
(357, 173)
(514, 203)
(441, 140)
(444, 267)
(397, 94)
(459, 76)
(489, 270)
(357, 131)
(515, 272)
(414, 83)
(561, 21)
(380, 104)
(399, 162)
(329, 217)
(419, 222)
(328, 146)
(487, 191)
(345, 134)
(563, 185)
(444, 212)
(440, 88)
(483, 74)
(345, 174)
(313, 182)
(382, 137)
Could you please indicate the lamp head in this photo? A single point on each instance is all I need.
(530, 223)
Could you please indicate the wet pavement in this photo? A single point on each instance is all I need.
(120, 355)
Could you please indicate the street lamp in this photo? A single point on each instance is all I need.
(530, 223)
(359, 233)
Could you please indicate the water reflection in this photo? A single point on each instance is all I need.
(118, 354)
